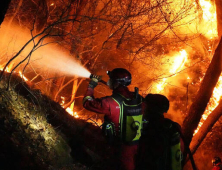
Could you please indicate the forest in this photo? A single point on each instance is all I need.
(49, 48)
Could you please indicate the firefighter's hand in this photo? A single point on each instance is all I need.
(94, 81)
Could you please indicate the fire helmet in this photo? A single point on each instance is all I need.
(157, 103)
(120, 76)
(216, 160)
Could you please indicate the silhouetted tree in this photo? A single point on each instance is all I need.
(3, 9)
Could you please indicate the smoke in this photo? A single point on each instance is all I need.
(50, 57)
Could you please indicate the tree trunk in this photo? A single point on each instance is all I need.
(203, 95)
(3, 9)
(219, 16)
(206, 127)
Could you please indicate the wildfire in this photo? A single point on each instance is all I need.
(69, 109)
(213, 103)
(8, 70)
(177, 64)
(210, 17)
(209, 21)
(179, 61)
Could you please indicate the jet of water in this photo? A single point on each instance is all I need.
(51, 57)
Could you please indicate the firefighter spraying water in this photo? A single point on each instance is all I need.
(123, 115)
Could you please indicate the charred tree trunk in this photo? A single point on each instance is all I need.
(203, 95)
(219, 16)
(206, 127)
(3, 9)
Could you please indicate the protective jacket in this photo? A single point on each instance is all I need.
(160, 146)
(217, 167)
(108, 106)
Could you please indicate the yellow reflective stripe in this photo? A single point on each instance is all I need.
(120, 117)
(86, 98)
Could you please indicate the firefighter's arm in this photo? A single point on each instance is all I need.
(98, 105)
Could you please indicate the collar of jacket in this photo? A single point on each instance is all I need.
(123, 90)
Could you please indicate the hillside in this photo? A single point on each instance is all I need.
(37, 133)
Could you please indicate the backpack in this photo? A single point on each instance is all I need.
(130, 120)
(160, 147)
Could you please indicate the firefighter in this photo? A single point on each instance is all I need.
(160, 146)
(122, 115)
(217, 164)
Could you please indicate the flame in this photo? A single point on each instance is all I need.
(23, 77)
(178, 62)
(210, 17)
(213, 103)
(69, 109)
(8, 69)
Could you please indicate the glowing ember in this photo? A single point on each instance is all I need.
(22, 76)
(63, 100)
(52, 4)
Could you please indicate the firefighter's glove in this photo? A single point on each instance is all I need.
(94, 81)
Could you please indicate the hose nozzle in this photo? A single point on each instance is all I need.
(100, 78)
